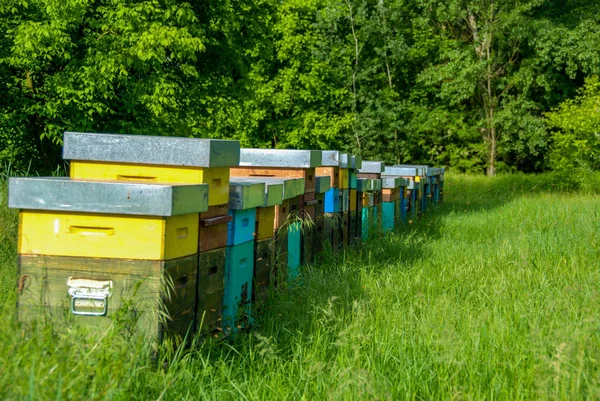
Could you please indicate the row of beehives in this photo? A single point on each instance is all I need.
(180, 235)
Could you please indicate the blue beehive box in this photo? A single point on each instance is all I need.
(332, 201)
(239, 269)
(241, 227)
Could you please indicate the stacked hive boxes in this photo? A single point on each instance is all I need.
(299, 164)
(425, 178)
(390, 197)
(244, 199)
(370, 178)
(146, 223)
(96, 251)
(335, 167)
(177, 161)
(355, 207)
(414, 192)
(264, 250)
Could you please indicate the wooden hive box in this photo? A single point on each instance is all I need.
(319, 237)
(153, 159)
(309, 201)
(91, 277)
(114, 220)
(323, 186)
(244, 198)
(211, 287)
(150, 298)
(264, 269)
(265, 215)
(214, 228)
(237, 296)
(280, 163)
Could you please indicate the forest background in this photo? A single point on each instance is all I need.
(474, 85)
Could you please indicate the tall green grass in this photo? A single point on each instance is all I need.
(494, 295)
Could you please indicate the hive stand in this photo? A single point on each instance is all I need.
(91, 253)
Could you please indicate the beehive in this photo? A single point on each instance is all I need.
(81, 258)
(280, 163)
(153, 159)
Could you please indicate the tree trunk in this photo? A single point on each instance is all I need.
(491, 169)
(354, 90)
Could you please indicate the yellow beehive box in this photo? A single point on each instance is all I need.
(107, 235)
(265, 220)
(217, 178)
(152, 159)
(353, 199)
(344, 178)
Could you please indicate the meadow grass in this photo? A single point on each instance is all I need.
(493, 295)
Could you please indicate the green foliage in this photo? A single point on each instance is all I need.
(460, 83)
(576, 140)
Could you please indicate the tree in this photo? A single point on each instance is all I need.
(576, 130)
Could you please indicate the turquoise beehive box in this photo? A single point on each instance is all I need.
(237, 297)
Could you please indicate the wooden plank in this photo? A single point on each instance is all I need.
(370, 176)
(97, 235)
(141, 292)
